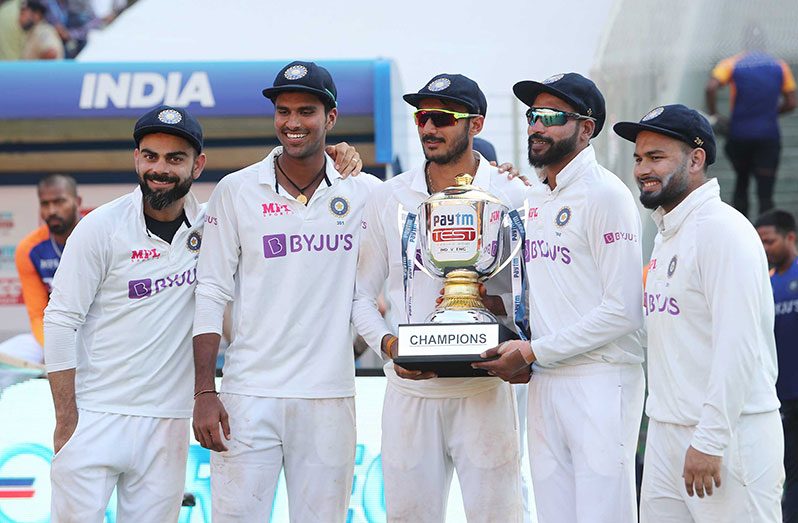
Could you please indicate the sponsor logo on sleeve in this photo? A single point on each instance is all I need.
(612, 237)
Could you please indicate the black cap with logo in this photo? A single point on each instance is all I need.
(677, 121)
(454, 88)
(579, 92)
(169, 120)
(307, 77)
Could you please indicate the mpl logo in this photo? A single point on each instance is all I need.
(146, 287)
(145, 89)
(533, 213)
(276, 209)
(144, 254)
(454, 234)
(279, 245)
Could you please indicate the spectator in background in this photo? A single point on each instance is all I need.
(73, 19)
(758, 81)
(12, 37)
(41, 39)
(777, 231)
(37, 258)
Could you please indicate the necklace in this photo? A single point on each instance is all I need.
(301, 198)
(430, 188)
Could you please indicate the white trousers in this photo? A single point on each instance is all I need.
(583, 425)
(752, 475)
(424, 439)
(143, 457)
(314, 439)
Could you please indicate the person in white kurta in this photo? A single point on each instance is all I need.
(715, 444)
(430, 425)
(584, 263)
(281, 243)
(118, 336)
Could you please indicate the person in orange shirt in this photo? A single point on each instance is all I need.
(37, 257)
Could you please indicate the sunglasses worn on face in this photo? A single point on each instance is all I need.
(551, 117)
(440, 117)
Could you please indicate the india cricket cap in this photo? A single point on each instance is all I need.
(676, 121)
(579, 92)
(169, 120)
(454, 88)
(307, 77)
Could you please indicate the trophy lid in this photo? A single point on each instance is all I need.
(464, 190)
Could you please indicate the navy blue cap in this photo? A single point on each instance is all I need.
(169, 120)
(485, 148)
(454, 88)
(304, 76)
(677, 121)
(579, 92)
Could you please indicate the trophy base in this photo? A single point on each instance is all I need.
(453, 361)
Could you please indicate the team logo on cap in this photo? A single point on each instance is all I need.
(339, 206)
(170, 116)
(552, 79)
(672, 266)
(439, 85)
(563, 217)
(295, 72)
(194, 241)
(653, 113)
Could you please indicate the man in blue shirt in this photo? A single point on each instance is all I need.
(777, 230)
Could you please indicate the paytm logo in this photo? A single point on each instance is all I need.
(279, 245)
(145, 89)
(453, 219)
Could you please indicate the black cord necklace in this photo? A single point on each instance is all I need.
(301, 198)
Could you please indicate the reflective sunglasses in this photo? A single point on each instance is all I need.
(551, 117)
(440, 117)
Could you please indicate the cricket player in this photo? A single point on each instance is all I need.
(281, 242)
(583, 252)
(117, 336)
(431, 425)
(715, 444)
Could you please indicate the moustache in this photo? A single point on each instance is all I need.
(164, 178)
(432, 139)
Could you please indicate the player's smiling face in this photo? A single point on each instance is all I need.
(443, 145)
(166, 166)
(302, 123)
(556, 144)
(661, 170)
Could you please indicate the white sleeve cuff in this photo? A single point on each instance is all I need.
(208, 315)
(59, 347)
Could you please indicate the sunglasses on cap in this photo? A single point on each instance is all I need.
(551, 117)
(440, 117)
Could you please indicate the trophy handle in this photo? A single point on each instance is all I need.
(401, 216)
(515, 250)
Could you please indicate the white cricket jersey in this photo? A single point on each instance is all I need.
(584, 265)
(290, 270)
(130, 296)
(380, 266)
(709, 312)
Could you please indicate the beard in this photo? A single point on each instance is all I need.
(458, 146)
(674, 185)
(557, 150)
(57, 225)
(159, 200)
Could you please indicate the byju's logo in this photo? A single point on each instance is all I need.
(274, 246)
(278, 245)
(139, 288)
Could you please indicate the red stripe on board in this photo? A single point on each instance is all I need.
(10, 494)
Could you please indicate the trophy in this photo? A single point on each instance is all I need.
(462, 233)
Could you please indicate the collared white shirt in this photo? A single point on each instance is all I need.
(290, 271)
(380, 266)
(584, 264)
(709, 314)
(130, 296)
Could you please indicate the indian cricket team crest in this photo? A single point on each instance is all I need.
(194, 242)
(563, 217)
(339, 206)
(653, 113)
(672, 265)
(552, 79)
(439, 85)
(170, 116)
(295, 72)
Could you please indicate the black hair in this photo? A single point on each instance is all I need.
(56, 179)
(783, 221)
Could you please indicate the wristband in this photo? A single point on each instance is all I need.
(389, 346)
(206, 391)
